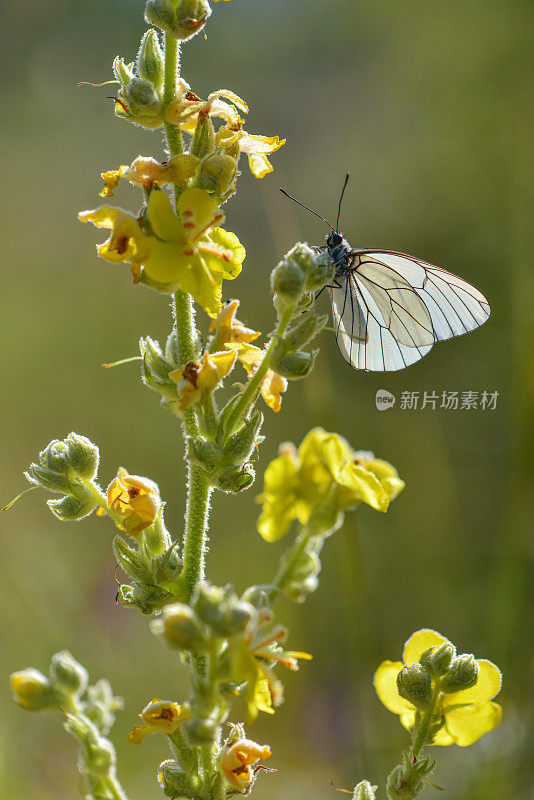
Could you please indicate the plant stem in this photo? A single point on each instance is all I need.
(253, 386)
(116, 789)
(198, 489)
(419, 739)
(196, 526)
(172, 67)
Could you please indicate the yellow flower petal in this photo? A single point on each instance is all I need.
(487, 686)
(419, 642)
(466, 725)
(163, 221)
(385, 683)
(260, 166)
(272, 387)
(364, 486)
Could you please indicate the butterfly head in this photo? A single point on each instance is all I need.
(334, 239)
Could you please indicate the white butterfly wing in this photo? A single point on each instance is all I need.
(391, 308)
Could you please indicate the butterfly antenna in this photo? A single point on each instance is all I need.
(306, 207)
(340, 200)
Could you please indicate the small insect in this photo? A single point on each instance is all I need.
(390, 308)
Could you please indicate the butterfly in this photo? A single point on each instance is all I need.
(390, 308)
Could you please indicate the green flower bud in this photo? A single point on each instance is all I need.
(55, 456)
(173, 780)
(218, 175)
(222, 610)
(203, 143)
(320, 272)
(150, 60)
(204, 454)
(146, 597)
(181, 18)
(294, 366)
(288, 280)
(67, 674)
(304, 330)
(167, 566)
(364, 791)
(201, 731)
(234, 480)
(181, 628)
(48, 479)
(155, 368)
(397, 787)
(123, 72)
(100, 704)
(462, 674)
(415, 685)
(31, 689)
(72, 508)
(142, 99)
(83, 456)
(240, 446)
(437, 660)
(132, 561)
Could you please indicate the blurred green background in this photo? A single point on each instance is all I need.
(427, 105)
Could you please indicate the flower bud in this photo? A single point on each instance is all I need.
(146, 597)
(142, 99)
(167, 566)
(150, 60)
(304, 330)
(218, 175)
(155, 368)
(398, 789)
(173, 780)
(222, 610)
(31, 689)
(83, 456)
(132, 561)
(234, 480)
(67, 674)
(294, 366)
(462, 674)
(288, 280)
(203, 143)
(320, 271)
(241, 445)
(181, 18)
(99, 705)
(415, 685)
(364, 791)
(72, 508)
(439, 659)
(181, 628)
(204, 454)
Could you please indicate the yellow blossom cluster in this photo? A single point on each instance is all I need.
(318, 482)
(465, 715)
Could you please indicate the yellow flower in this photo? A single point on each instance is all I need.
(464, 715)
(194, 381)
(255, 146)
(254, 655)
(226, 105)
(230, 330)
(273, 384)
(136, 499)
(168, 253)
(321, 480)
(239, 758)
(159, 716)
(147, 173)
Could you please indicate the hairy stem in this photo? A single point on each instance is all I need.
(198, 489)
(421, 733)
(253, 386)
